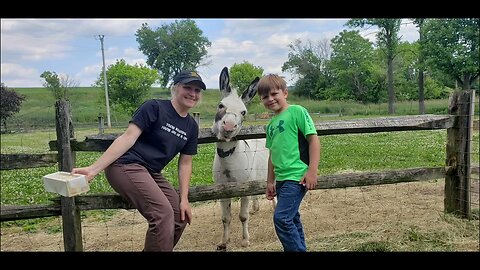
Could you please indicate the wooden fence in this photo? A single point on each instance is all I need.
(456, 171)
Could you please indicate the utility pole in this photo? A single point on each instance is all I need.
(109, 124)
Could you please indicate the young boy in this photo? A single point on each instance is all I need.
(293, 161)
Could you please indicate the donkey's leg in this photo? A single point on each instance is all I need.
(244, 219)
(226, 219)
(255, 204)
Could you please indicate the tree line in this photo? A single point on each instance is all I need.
(350, 67)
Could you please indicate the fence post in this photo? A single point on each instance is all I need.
(100, 125)
(72, 229)
(458, 151)
(196, 116)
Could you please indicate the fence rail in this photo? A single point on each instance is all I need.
(100, 142)
(229, 190)
(21, 161)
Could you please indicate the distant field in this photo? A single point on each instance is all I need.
(38, 110)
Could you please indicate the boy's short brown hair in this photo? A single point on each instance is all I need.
(270, 81)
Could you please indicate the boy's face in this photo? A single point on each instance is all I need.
(275, 100)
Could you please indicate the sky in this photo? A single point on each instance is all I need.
(71, 47)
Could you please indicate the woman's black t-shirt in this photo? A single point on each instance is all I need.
(165, 134)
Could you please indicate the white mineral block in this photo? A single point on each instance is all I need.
(66, 184)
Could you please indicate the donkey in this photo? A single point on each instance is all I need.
(236, 160)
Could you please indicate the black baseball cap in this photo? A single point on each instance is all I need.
(188, 76)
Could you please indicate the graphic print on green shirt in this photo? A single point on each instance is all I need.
(279, 127)
(286, 139)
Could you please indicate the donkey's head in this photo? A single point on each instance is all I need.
(232, 109)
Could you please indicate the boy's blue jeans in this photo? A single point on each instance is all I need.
(286, 217)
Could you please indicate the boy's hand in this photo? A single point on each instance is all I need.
(309, 180)
(271, 192)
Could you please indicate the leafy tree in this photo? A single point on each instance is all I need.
(406, 71)
(307, 62)
(419, 22)
(128, 85)
(58, 85)
(10, 104)
(452, 46)
(351, 65)
(241, 75)
(387, 39)
(172, 48)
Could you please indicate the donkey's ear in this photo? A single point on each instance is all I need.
(250, 92)
(224, 82)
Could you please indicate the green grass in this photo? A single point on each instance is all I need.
(340, 153)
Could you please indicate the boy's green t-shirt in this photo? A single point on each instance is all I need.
(286, 139)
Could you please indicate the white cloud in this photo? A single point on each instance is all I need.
(132, 53)
(20, 75)
(408, 31)
(32, 48)
(72, 46)
(88, 74)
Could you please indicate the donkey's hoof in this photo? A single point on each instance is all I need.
(245, 243)
(222, 247)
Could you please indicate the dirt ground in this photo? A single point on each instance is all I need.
(404, 216)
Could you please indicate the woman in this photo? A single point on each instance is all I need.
(158, 131)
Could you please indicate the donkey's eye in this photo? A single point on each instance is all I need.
(243, 113)
(220, 106)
